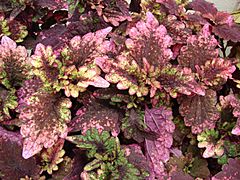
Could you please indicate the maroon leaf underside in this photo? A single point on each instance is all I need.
(200, 112)
(159, 120)
(12, 164)
(135, 156)
(227, 32)
(133, 127)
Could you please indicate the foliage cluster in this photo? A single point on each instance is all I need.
(115, 89)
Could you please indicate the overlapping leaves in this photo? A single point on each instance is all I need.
(109, 158)
(159, 120)
(145, 66)
(222, 23)
(79, 69)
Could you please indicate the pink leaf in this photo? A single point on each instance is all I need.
(200, 112)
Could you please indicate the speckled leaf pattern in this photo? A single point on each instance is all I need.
(200, 112)
(44, 116)
(199, 49)
(229, 171)
(148, 50)
(176, 80)
(12, 164)
(96, 116)
(216, 72)
(46, 65)
(159, 120)
(14, 63)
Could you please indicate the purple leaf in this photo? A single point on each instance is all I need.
(200, 112)
(133, 126)
(12, 164)
(229, 171)
(216, 72)
(179, 80)
(135, 156)
(207, 9)
(51, 4)
(159, 120)
(199, 49)
(227, 32)
(96, 116)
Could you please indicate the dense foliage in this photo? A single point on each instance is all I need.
(116, 89)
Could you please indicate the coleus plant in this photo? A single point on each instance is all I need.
(118, 89)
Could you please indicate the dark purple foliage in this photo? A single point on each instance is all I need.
(118, 89)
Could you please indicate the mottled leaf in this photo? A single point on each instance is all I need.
(199, 49)
(139, 66)
(51, 4)
(200, 112)
(12, 164)
(97, 116)
(178, 30)
(233, 102)
(209, 140)
(12, 28)
(216, 72)
(179, 80)
(180, 175)
(79, 69)
(44, 116)
(14, 63)
(46, 65)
